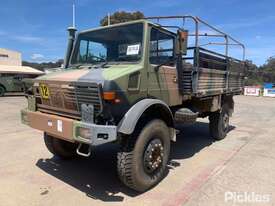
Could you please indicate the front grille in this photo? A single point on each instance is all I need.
(66, 100)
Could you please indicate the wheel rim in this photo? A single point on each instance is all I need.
(153, 156)
(225, 122)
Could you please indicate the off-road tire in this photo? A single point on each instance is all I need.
(217, 126)
(130, 160)
(60, 148)
(2, 91)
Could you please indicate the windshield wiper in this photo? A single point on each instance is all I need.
(78, 66)
(95, 65)
(102, 65)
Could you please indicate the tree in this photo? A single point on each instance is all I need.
(268, 70)
(258, 75)
(121, 16)
(270, 64)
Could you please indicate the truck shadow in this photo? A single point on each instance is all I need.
(97, 176)
(190, 141)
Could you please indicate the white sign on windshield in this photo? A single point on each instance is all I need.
(133, 49)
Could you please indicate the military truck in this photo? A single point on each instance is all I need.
(130, 84)
(18, 81)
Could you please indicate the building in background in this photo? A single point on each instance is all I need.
(8, 57)
(14, 76)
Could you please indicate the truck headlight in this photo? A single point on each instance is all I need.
(85, 133)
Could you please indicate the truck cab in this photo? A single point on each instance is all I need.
(130, 84)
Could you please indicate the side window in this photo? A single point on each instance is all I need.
(161, 47)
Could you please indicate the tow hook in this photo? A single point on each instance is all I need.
(86, 152)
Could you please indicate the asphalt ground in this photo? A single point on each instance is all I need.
(239, 170)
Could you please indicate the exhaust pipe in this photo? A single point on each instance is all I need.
(71, 39)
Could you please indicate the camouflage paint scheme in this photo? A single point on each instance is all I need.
(160, 85)
(114, 73)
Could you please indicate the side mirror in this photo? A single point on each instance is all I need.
(182, 39)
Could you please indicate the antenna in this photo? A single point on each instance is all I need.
(71, 38)
(73, 14)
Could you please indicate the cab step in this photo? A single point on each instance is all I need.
(185, 116)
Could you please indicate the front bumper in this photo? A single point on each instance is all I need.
(68, 129)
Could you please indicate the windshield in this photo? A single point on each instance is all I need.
(116, 44)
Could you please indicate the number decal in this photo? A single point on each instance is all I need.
(44, 90)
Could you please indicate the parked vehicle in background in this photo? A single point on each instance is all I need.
(12, 80)
(130, 84)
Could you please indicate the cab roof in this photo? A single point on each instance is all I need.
(143, 21)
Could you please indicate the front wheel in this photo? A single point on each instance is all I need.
(143, 159)
(219, 123)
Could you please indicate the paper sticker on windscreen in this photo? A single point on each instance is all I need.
(133, 49)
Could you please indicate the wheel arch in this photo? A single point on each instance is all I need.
(153, 108)
(229, 102)
(1, 85)
(5, 90)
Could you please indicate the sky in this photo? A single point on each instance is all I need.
(37, 28)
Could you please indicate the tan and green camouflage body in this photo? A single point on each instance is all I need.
(132, 83)
(116, 78)
(160, 84)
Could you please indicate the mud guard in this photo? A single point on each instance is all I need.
(131, 118)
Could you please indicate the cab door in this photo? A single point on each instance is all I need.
(162, 80)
